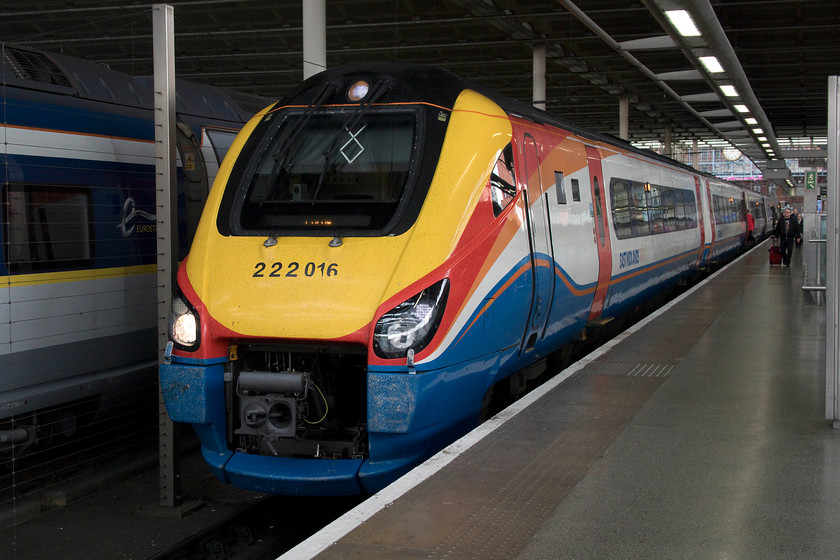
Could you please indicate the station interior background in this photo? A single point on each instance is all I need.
(760, 119)
(777, 54)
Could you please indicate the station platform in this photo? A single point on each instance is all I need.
(699, 433)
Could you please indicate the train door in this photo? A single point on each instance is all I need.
(602, 232)
(193, 185)
(542, 255)
(701, 253)
(712, 227)
(745, 209)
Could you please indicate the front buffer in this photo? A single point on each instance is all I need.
(409, 417)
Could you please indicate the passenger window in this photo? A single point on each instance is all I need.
(575, 190)
(560, 186)
(47, 227)
(621, 209)
(655, 209)
(641, 215)
(502, 181)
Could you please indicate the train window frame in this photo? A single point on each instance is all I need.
(654, 196)
(220, 140)
(560, 187)
(639, 215)
(35, 240)
(726, 209)
(575, 190)
(503, 180)
(640, 208)
(669, 221)
(235, 209)
(621, 208)
(598, 215)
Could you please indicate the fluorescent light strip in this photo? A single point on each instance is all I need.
(711, 64)
(729, 90)
(683, 23)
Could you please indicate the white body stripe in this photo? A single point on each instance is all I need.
(42, 315)
(54, 144)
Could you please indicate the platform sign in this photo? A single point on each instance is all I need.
(810, 180)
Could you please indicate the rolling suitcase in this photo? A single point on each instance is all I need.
(775, 254)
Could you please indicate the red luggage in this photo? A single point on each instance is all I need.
(775, 254)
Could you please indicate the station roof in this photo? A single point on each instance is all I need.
(777, 54)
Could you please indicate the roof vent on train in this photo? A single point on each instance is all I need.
(34, 66)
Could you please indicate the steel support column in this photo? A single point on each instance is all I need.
(539, 77)
(832, 282)
(314, 37)
(166, 206)
(624, 118)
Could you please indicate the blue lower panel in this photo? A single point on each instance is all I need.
(393, 455)
(410, 417)
(300, 477)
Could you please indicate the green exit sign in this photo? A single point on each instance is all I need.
(810, 179)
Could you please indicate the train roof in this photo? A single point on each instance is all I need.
(440, 86)
(37, 70)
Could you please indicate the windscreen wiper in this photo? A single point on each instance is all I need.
(378, 90)
(290, 133)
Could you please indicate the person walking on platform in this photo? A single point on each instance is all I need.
(787, 230)
(750, 230)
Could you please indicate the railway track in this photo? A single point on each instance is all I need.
(263, 531)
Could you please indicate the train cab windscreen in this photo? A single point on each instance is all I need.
(326, 172)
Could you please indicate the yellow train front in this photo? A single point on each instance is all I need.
(333, 323)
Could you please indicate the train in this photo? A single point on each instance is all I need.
(390, 247)
(78, 301)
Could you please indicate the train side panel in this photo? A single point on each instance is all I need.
(78, 319)
(729, 220)
(655, 228)
(568, 262)
(322, 347)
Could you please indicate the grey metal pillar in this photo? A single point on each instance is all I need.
(668, 150)
(166, 206)
(695, 153)
(314, 37)
(832, 282)
(539, 76)
(624, 118)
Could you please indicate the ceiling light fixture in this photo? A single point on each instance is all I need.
(711, 64)
(682, 22)
(729, 91)
(741, 108)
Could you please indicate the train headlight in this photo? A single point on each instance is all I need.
(412, 324)
(183, 323)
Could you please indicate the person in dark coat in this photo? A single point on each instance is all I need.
(787, 230)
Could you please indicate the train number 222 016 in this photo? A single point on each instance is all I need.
(295, 270)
